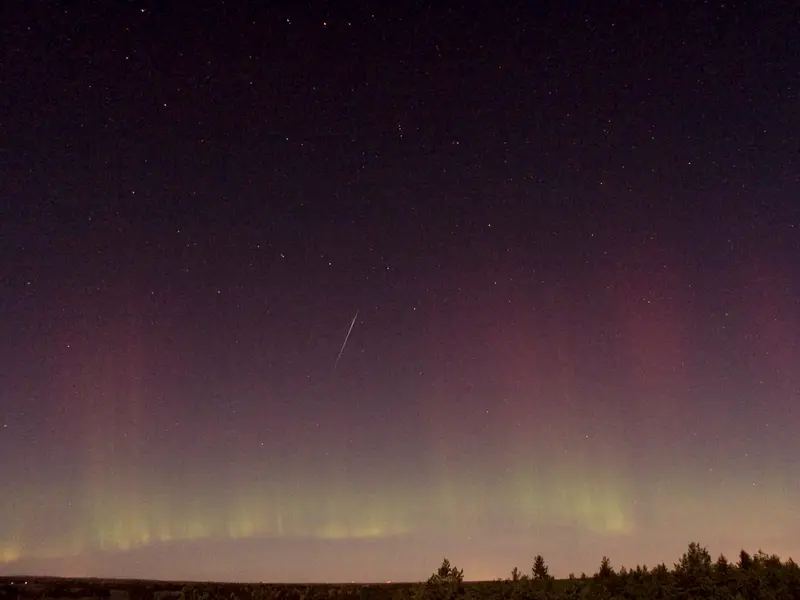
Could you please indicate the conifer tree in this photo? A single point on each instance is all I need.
(745, 561)
(606, 571)
(540, 570)
(694, 573)
(445, 584)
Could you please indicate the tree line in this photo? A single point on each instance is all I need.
(696, 576)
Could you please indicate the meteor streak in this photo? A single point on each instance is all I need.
(347, 337)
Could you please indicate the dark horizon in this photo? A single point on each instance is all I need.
(759, 563)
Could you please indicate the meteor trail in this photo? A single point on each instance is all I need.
(345, 340)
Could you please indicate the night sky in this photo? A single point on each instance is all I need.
(569, 234)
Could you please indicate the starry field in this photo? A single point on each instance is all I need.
(327, 291)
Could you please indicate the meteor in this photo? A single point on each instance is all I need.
(347, 337)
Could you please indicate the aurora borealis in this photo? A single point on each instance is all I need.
(570, 234)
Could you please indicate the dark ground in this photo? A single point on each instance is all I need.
(22, 587)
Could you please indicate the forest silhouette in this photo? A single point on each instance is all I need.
(696, 576)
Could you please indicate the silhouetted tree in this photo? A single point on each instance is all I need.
(792, 576)
(722, 568)
(445, 584)
(724, 576)
(745, 561)
(605, 571)
(662, 582)
(605, 582)
(634, 583)
(540, 570)
(693, 573)
(772, 576)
